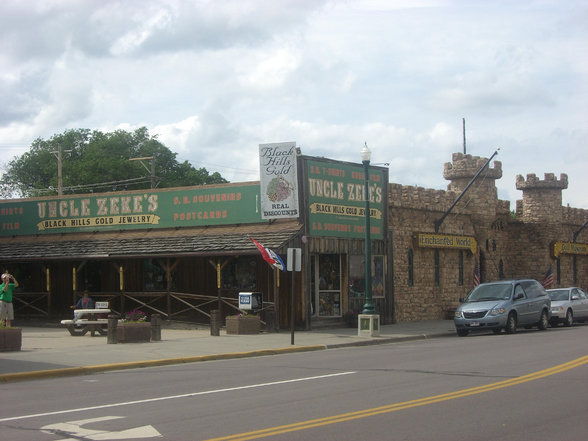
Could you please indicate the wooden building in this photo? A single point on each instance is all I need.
(183, 252)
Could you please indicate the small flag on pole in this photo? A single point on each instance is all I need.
(269, 256)
(476, 274)
(548, 279)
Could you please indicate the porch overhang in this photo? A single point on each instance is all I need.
(210, 241)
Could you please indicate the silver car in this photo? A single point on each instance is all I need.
(567, 305)
(506, 304)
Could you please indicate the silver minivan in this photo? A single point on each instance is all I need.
(506, 304)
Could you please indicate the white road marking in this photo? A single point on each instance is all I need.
(75, 429)
(173, 397)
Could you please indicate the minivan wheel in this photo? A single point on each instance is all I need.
(543, 321)
(569, 318)
(511, 324)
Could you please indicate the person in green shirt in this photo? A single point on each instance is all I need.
(6, 290)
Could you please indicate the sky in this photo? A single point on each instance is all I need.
(214, 79)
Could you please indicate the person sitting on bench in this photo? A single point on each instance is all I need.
(85, 302)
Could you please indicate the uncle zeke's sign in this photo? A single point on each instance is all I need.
(336, 199)
(163, 208)
(278, 180)
(87, 212)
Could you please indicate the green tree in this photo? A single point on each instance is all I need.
(93, 161)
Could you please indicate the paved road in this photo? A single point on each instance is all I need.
(484, 387)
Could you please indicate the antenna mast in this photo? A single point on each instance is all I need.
(464, 138)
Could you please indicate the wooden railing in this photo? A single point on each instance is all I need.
(32, 304)
(170, 305)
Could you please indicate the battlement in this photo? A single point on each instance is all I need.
(575, 216)
(408, 196)
(542, 200)
(466, 166)
(549, 183)
(420, 198)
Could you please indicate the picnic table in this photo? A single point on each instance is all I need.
(92, 322)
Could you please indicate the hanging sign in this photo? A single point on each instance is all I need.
(433, 240)
(278, 180)
(569, 248)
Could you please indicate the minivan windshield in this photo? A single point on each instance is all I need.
(484, 293)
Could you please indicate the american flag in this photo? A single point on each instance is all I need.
(476, 274)
(548, 279)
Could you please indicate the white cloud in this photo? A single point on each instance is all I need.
(270, 71)
(216, 79)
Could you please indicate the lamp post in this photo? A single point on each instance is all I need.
(368, 307)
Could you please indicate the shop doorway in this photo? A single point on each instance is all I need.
(326, 285)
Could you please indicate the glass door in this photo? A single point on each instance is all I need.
(327, 285)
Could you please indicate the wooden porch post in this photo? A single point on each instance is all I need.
(218, 285)
(219, 267)
(168, 285)
(48, 285)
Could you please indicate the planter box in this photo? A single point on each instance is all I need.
(10, 339)
(133, 332)
(243, 324)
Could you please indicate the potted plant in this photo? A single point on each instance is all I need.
(10, 338)
(243, 324)
(134, 328)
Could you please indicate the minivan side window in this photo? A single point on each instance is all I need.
(519, 290)
(532, 289)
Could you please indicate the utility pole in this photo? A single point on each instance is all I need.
(59, 170)
(152, 171)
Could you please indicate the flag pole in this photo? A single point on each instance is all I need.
(276, 300)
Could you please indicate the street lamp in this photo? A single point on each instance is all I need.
(368, 307)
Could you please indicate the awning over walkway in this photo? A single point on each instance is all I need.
(160, 243)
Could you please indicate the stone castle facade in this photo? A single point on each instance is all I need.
(428, 282)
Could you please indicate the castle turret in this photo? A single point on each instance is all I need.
(542, 200)
(481, 197)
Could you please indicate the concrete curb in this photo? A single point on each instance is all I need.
(87, 370)
(388, 340)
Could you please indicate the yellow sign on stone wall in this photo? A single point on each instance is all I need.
(569, 248)
(432, 240)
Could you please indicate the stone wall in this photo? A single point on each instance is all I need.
(510, 245)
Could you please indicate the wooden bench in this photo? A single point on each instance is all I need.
(93, 323)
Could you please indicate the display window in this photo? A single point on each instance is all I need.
(357, 276)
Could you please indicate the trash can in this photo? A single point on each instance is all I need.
(215, 322)
(155, 327)
(112, 325)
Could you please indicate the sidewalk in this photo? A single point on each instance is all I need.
(50, 352)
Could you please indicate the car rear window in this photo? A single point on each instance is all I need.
(532, 288)
(560, 294)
